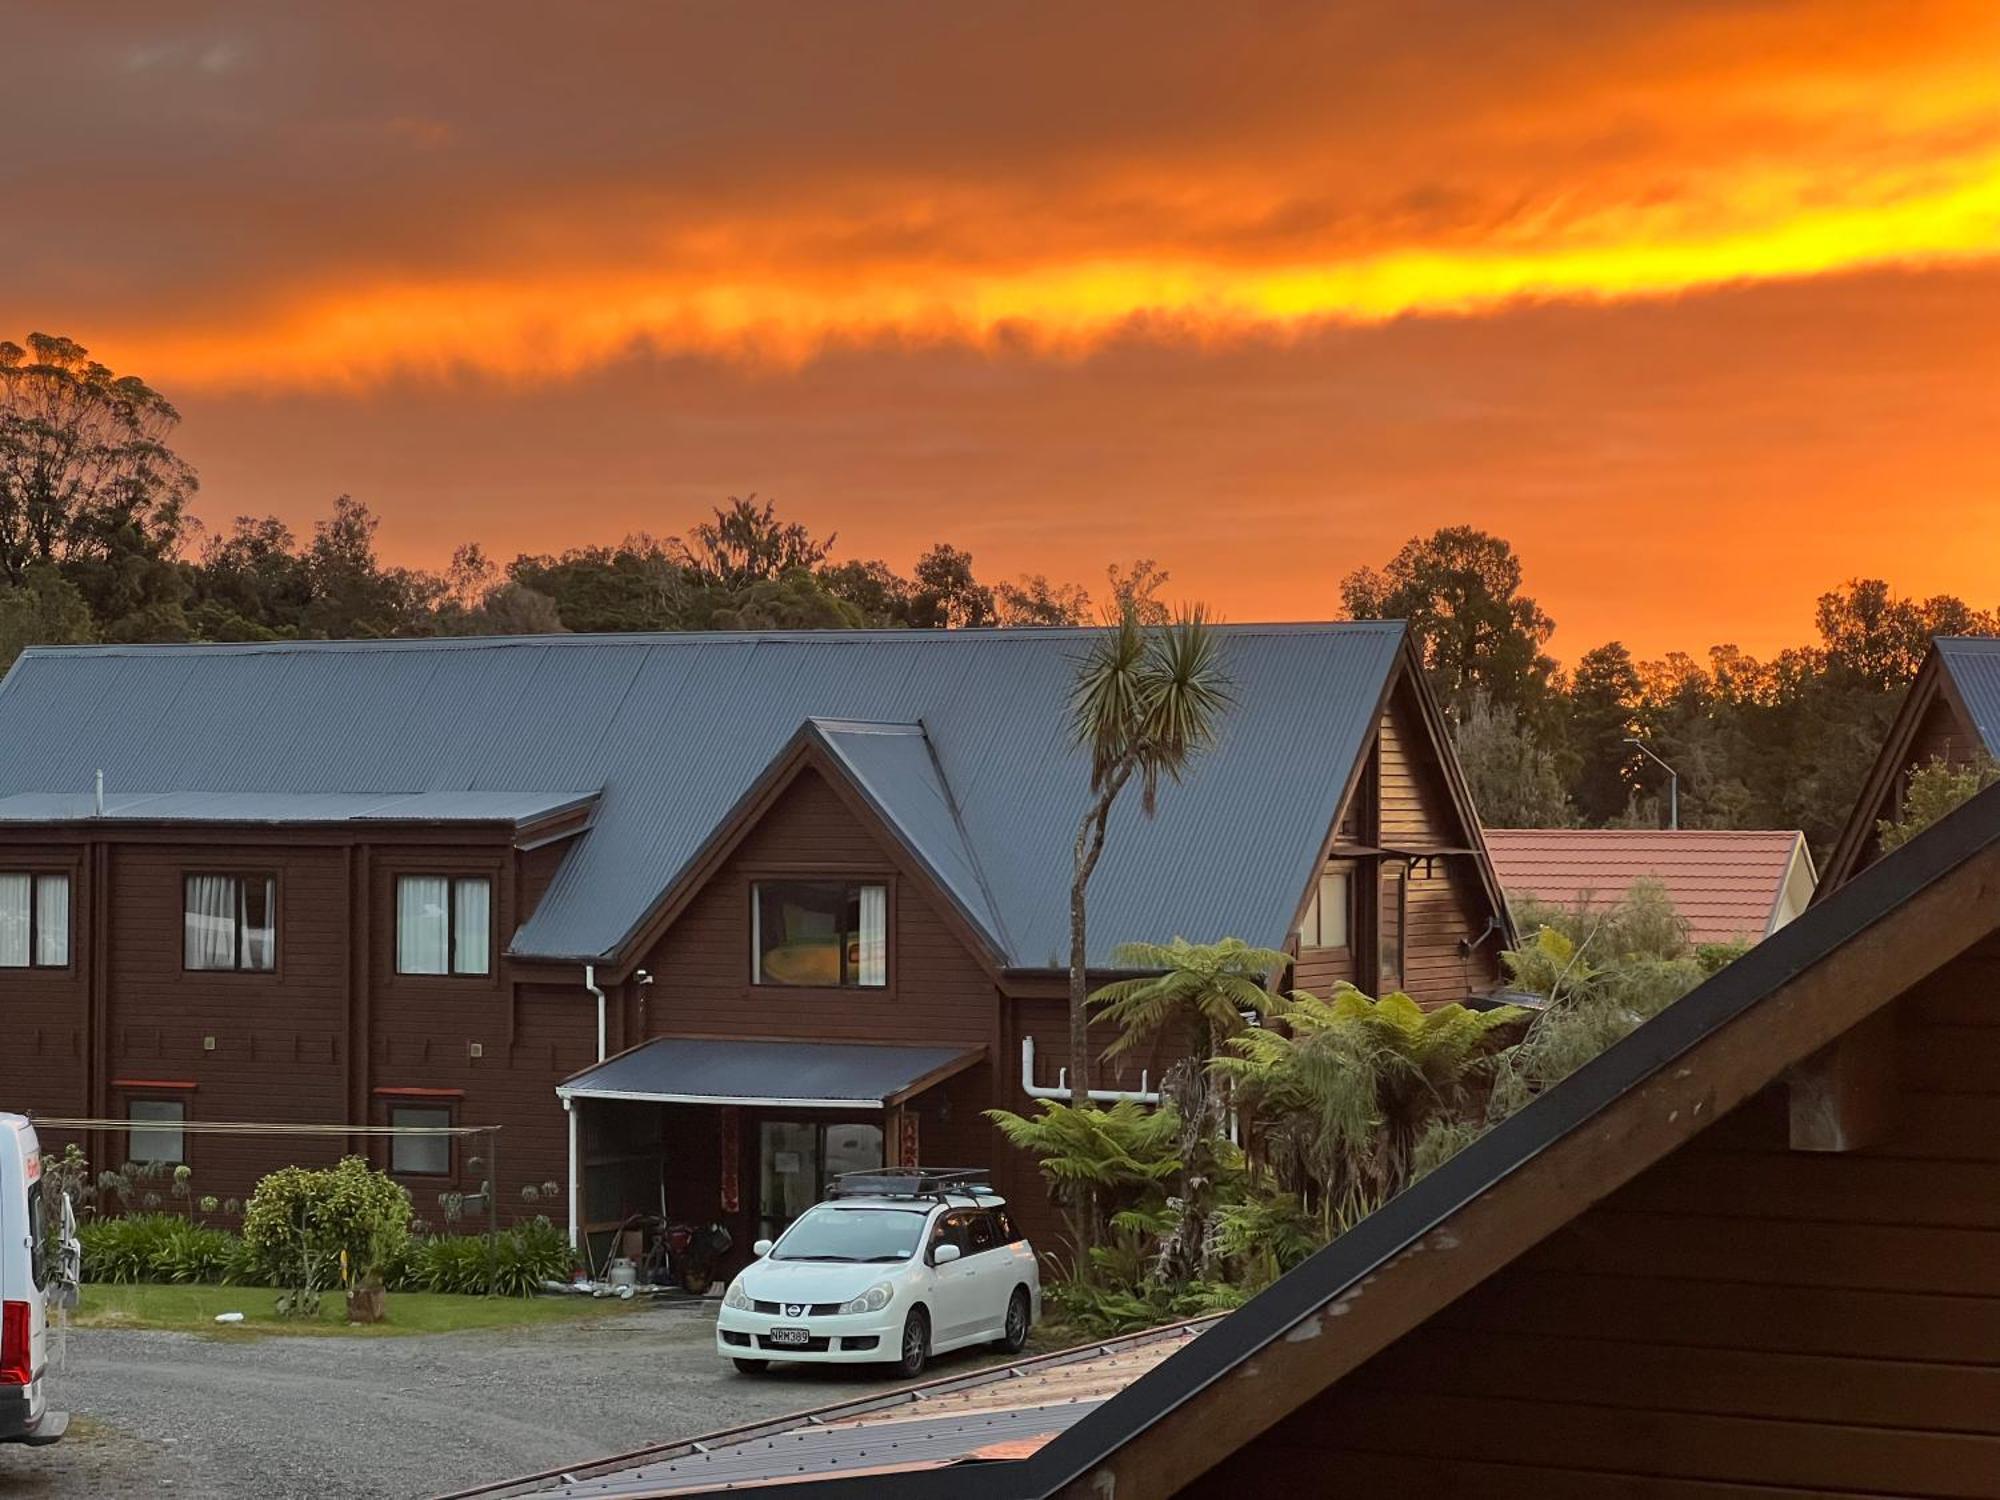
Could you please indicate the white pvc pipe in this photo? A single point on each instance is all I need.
(590, 983)
(575, 1180)
(1034, 1090)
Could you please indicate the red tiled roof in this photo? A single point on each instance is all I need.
(1724, 882)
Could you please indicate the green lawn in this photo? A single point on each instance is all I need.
(193, 1308)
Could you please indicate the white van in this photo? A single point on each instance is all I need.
(24, 1278)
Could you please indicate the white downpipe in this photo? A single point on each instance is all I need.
(590, 983)
(1034, 1090)
(575, 1179)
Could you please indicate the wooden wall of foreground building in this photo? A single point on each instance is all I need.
(1743, 1320)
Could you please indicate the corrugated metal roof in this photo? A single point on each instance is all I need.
(288, 807)
(676, 728)
(1726, 883)
(895, 767)
(1974, 664)
(703, 1070)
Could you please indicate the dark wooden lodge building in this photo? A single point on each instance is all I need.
(697, 920)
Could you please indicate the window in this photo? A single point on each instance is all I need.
(34, 921)
(156, 1132)
(230, 922)
(1326, 919)
(951, 1229)
(420, 1155)
(444, 924)
(1003, 1226)
(816, 932)
(979, 1231)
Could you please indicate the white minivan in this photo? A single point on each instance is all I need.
(24, 1279)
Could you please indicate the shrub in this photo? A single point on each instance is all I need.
(310, 1228)
(514, 1263)
(121, 1250)
(189, 1252)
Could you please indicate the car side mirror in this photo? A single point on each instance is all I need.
(761, 1248)
(944, 1255)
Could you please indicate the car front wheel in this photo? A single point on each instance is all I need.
(916, 1344)
(1015, 1332)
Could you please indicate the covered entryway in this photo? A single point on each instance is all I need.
(706, 1130)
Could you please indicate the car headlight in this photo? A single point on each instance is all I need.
(737, 1298)
(873, 1300)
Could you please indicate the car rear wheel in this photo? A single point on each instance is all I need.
(752, 1366)
(916, 1344)
(1015, 1332)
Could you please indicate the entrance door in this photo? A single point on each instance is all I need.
(795, 1158)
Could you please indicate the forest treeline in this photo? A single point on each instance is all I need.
(97, 544)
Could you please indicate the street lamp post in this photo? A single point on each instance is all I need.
(1673, 781)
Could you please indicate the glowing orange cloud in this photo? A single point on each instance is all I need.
(1730, 146)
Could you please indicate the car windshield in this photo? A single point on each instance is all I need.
(853, 1234)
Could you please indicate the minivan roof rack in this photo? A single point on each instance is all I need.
(911, 1182)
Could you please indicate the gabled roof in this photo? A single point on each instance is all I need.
(1963, 673)
(1806, 986)
(1727, 884)
(895, 768)
(676, 730)
(1973, 662)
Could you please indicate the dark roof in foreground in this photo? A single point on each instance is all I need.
(989, 1415)
(1298, 1311)
(676, 729)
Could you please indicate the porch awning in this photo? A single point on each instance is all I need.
(784, 1075)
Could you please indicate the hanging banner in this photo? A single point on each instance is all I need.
(732, 1159)
(906, 1137)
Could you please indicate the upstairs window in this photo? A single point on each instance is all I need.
(444, 924)
(823, 933)
(1327, 916)
(230, 922)
(34, 921)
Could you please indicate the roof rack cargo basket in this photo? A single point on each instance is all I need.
(910, 1182)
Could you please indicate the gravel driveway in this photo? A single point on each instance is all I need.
(399, 1417)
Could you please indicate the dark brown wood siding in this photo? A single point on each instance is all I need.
(1444, 902)
(332, 1036)
(1741, 1319)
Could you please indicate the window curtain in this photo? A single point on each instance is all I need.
(14, 914)
(874, 965)
(52, 921)
(260, 923)
(423, 929)
(471, 926)
(210, 922)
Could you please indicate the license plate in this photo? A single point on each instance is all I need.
(788, 1336)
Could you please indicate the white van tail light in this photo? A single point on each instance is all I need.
(14, 1352)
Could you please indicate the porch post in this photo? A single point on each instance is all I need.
(575, 1178)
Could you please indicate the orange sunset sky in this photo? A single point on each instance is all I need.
(1697, 302)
